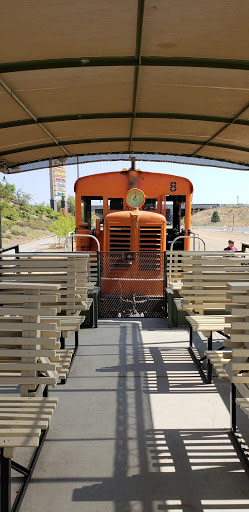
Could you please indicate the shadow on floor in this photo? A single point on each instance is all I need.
(172, 470)
(200, 472)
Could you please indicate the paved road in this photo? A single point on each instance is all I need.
(38, 245)
(217, 240)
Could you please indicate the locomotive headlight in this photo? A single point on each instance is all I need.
(135, 198)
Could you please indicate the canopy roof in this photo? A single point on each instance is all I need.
(122, 77)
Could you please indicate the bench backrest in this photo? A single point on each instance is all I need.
(204, 286)
(26, 340)
(68, 270)
(239, 336)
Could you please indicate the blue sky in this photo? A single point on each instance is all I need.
(211, 185)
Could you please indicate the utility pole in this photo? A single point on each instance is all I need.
(53, 202)
(78, 168)
(0, 227)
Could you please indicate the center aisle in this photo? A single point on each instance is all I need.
(136, 430)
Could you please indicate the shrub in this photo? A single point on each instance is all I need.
(31, 209)
(51, 214)
(4, 228)
(8, 211)
(11, 213)
(4, 205)
(6, 224)
(25, 215)
(22, 223)
(215, 217)
(16, 232)
(36, 224)
(41, 209)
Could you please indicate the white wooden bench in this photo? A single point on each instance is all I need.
(183, 270)
(27, 341)
(71, 271)
(218, 360)
(207, 324)
(26, 345)
(24, 423)
(204, 291)
(173, 272)
(238, 367)
(204, 288)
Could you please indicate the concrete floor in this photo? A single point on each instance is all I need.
(136, 430)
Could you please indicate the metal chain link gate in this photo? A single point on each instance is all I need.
(132, 284)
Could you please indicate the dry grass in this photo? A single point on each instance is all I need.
(226, 213)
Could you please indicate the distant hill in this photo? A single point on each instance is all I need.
(226, 213)
(21, 221)
(22, 224)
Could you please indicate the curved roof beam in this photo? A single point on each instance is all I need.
(192, 62)
(125, 115)
(124, 139)
(43, 163)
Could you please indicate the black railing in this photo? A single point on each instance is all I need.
(10, 247)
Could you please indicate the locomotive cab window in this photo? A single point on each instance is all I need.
(169, 214)
(115, 203)
(150, 204)
(175, 211)
(91, 207)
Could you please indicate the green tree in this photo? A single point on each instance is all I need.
(7, 191)
(71, 205)
(215, 217)
(23, 198)
(62, 226)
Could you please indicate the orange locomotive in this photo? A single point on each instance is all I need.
(134, 215)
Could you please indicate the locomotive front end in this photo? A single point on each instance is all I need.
(133, 263)
(135, 216)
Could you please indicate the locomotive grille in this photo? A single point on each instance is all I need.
(120, 238)
(150, 238)
(150, 241)
(120, 242)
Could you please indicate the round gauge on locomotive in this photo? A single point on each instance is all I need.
(135, 198)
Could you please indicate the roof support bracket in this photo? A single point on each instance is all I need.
(21, 104)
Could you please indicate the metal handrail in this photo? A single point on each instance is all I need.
(72, 235)
(186, 236)
(194, 236)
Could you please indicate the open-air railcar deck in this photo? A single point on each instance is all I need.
(137, 430)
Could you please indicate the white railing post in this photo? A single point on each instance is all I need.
(72, 235)
(188, 236)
